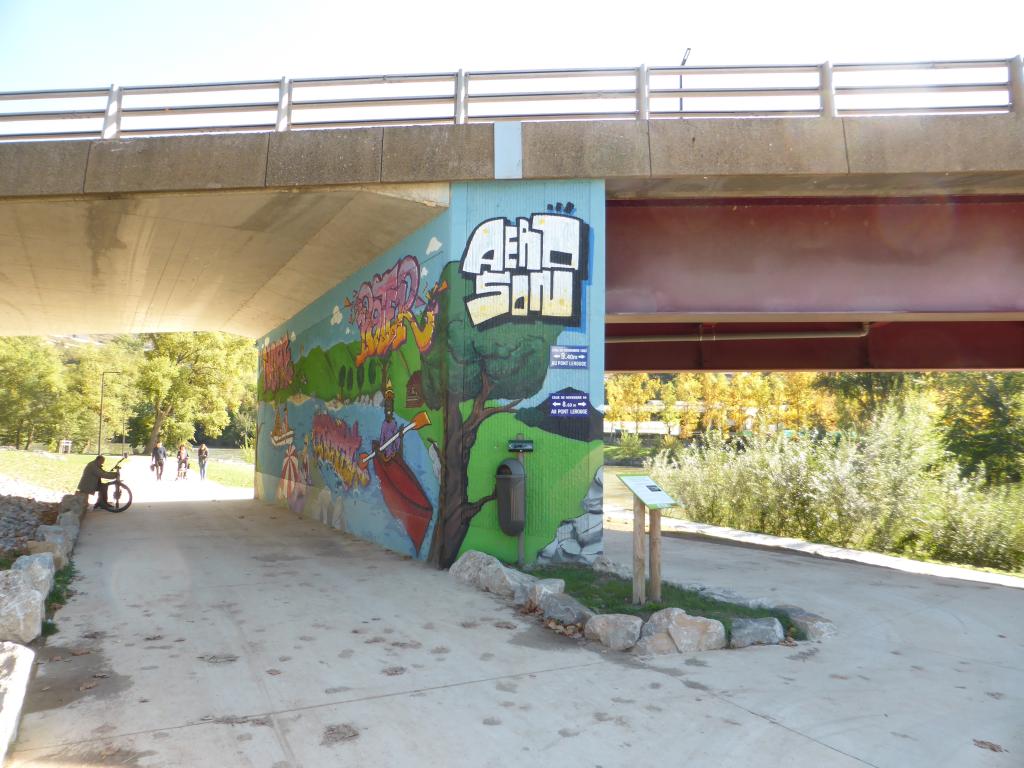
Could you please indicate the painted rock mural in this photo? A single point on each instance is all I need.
(387, 405)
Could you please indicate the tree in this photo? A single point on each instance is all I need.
(193, 378)
(31, 386)
(628, 396)
(489, 369)
(983, 419)
(83, 372)
(859, 396)
(681, 396)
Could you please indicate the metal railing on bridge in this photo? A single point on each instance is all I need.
(627, 93)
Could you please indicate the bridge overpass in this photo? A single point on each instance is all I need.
(486, 268)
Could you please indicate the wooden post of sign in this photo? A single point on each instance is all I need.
(655, 546)
(639, 571)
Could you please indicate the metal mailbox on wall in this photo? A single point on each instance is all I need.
(511, 491)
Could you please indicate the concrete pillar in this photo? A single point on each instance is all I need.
(1015, 72)
(643, 105)
(284, 105)
(112, 117)
(460, 97)
(826, 90)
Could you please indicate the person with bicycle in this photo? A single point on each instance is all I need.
(91, 482)
(183, 457)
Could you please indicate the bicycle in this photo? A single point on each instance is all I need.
(119, 495)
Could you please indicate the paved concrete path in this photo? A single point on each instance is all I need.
(228, 633)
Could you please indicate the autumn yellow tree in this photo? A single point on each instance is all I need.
(682, 398)
(628, 396)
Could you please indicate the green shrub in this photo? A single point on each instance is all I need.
(890, 489)
(248, 450)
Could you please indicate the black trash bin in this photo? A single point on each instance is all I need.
(510, 482)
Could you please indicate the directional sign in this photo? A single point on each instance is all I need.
(649, 492)
(570, 357)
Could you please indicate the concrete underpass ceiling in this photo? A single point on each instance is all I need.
(242, 262)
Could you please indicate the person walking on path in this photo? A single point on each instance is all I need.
(182, 462)
(203, 454)
(159, 457)
(90, 482)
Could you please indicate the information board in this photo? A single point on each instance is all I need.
(649, 492)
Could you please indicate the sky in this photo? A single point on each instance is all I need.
(73, 43)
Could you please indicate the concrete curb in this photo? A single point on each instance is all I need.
(691, 531)
(15, 673)
(488, 574)
(815, 627)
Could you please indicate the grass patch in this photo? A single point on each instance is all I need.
(228, 473)
(59, 593)
(7, 562)
(607, 593)
(56, 471)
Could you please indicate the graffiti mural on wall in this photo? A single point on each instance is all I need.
(334, 398)
(336, 448)
(295, 477)
(382, 308)
(533, 268)
(524, 287)
(403, 402)
(402, 492)
(276, 362)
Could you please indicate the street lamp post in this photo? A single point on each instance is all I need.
(99, 437)
(682, 64)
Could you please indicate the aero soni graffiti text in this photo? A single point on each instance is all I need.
(532, 268)
(383, 306)
(336, 445)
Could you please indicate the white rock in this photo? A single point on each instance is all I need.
(70, 525)
(15, 671)
(542, 587)
(564, 609)
(755, 632)
(467, 568)
(36, 547)
(618, 631)
(814, 627)
(21, 608)
(75, 503)
(697, 633)
(603, 565)
(689, 634)
(57, 535)
(657, 644)
(487, 573)
(39, 569)
(504, 581)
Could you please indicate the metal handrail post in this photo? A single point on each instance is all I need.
(643, 106)
(460, 97)
(112, 115)
(1015, 72)
(826, 90)
(284, 105)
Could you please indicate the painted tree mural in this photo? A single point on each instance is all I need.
(471, 374)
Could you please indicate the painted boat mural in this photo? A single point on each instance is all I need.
(404, 497)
